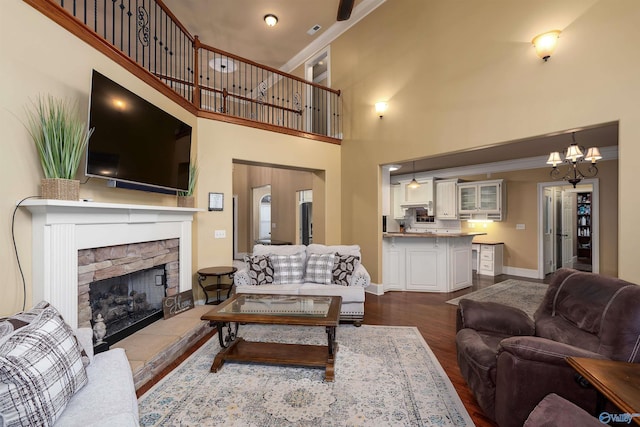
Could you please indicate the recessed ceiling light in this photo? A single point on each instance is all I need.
(271, 20)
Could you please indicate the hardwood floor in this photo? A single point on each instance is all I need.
(434, 318)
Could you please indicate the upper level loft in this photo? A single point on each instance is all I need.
(150, 42)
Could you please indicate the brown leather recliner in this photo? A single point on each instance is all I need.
(511, 362)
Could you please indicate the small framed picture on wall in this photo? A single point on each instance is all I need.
(216, 201)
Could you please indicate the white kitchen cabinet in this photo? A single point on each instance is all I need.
(446, 199)
(481, 200)
(397, 195)
(393, 267)
(491, 259)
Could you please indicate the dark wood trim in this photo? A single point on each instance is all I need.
(266, 126)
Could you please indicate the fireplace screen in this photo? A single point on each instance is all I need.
(126, 303)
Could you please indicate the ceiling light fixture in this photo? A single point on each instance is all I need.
(414, 184)
(573, 156)
(546, 43)
(271, 20)
(393, 167)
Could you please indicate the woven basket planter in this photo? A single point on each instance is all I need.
(186, 201)
(60, 189)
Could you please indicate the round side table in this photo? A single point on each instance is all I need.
(218, 286)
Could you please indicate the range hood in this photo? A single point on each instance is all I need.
(408, 205)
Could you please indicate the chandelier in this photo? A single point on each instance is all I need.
(575, 171)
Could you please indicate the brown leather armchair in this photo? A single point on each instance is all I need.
(511, 362)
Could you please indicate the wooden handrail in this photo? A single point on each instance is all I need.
(175, 19)
(225, 93)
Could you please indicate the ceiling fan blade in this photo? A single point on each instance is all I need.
(344, 9)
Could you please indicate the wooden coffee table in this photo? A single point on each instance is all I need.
(276, 310)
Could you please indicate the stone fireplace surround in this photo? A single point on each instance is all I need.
(62, 228)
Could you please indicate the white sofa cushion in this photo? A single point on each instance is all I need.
(320, 268)
(281, 250)
(109, 398)
(290, 288)
(349, 294)
(41, 368)
(315, 248)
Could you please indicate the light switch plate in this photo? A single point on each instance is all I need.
(520, 227)
(220, 234)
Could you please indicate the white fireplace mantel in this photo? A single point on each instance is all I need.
(61, 228)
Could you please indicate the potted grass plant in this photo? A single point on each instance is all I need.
(60, 138)
(186, 198)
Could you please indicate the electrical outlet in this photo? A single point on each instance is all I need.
(520, 227)
(220, 234)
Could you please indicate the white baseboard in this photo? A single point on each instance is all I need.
(375, 289)
(522, 272)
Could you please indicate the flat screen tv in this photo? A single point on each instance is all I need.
(134, 142)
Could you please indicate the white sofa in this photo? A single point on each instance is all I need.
(109, 397)
(352, 296)
(46, 378)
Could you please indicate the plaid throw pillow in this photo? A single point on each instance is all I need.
(287, 268)
(9, 325)
(40, 370)
(320, 268)
(343, 269)
(260, 270)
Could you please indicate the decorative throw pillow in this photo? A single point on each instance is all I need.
(260, 270)
(40, 370)
(343, 268)
(287, 268)
(9, 325)
(320, 268)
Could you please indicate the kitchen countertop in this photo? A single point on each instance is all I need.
(430, 235)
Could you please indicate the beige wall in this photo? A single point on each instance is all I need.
(38, 56)
(463, 75)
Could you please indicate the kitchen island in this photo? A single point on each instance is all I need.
(427, 262)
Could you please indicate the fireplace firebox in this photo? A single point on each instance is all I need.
(127, 303)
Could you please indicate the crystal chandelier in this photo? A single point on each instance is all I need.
(576, 171)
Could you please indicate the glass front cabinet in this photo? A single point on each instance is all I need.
(481, 199)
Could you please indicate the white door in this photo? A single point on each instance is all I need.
(548, 232)
(567, 227)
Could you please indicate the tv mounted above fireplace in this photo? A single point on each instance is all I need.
(135, 143)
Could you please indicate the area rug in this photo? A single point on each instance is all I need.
(521, 294)
(383, 376)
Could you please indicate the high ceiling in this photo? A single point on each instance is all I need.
(237, 26)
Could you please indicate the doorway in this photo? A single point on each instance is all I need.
(261, 218)
(317, 70)
(568, 227)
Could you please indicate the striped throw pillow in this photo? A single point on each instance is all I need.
(320, 268)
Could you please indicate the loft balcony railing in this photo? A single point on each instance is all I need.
(220, 85)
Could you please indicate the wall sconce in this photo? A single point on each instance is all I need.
(546, 43)
(271, 20)
(381, 107)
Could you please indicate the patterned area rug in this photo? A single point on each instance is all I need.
(383, 376)
(524, 295)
